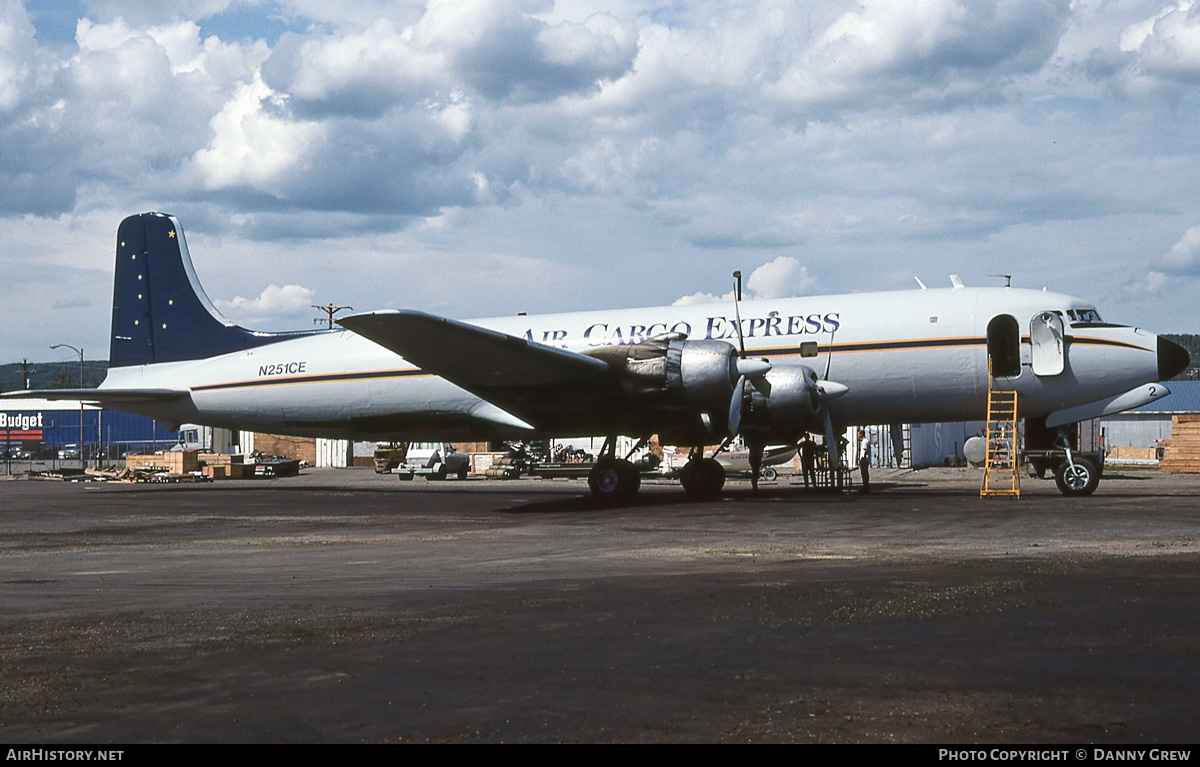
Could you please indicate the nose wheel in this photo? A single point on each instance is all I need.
(1078, 476)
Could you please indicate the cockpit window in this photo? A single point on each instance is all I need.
(1084, 315)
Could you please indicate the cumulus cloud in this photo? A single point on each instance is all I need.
(498, 50)
(253, 142)
(642, 140)
(1161, 53)
(1151, 283)
(1184, 255)
(782, 278)
(932, 50)
(362, 73)
(275, 305)
(21, 63)
(503, 50)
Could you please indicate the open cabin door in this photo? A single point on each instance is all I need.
(1048, 344)
(1004, 346)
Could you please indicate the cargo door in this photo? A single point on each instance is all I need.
(1047, 339)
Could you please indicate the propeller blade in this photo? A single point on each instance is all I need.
(735, 406)
(830, 439)
(737, 314)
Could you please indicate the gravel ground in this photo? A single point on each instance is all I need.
(344, 606)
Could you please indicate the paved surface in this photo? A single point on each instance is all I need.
(345, 606)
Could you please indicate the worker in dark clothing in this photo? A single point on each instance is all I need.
(808, 460)
(864, 459)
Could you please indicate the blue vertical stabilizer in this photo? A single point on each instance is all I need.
(160, 312)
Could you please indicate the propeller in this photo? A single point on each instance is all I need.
(753, 371)
(747, 369)
(824, 392)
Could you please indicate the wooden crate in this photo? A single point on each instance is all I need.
(178, 462)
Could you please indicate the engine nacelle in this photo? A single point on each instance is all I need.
(699, 373)
(703, 371)
(788, 407)
(699, 379)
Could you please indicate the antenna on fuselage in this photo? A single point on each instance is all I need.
(1007, 279)
(918, 279)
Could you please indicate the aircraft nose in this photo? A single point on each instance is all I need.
(1173, 359)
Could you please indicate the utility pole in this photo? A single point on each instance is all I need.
(25, 372)
(329, 310)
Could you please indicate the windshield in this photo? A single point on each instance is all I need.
(1084, 315)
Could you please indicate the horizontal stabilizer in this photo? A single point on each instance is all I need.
(473, 357)
(101, 396)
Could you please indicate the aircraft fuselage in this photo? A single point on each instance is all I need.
(908, 356)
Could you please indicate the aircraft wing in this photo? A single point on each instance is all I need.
(539, 383)
(469, 355)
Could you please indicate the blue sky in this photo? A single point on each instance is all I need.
(479, 158)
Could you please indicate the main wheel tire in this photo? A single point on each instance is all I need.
(1078, 479)
(614, 481)
(770, 474)
(702, 478)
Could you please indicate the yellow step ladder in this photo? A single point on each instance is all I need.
(1000, 473)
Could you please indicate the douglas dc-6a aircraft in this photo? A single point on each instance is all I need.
(695, 375)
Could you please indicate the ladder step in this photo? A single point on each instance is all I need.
(1001, 475)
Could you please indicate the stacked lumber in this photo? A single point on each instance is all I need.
(1119, 453)
(1183, 447)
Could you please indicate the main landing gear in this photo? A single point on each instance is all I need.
(615, 481)
(702, 477)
